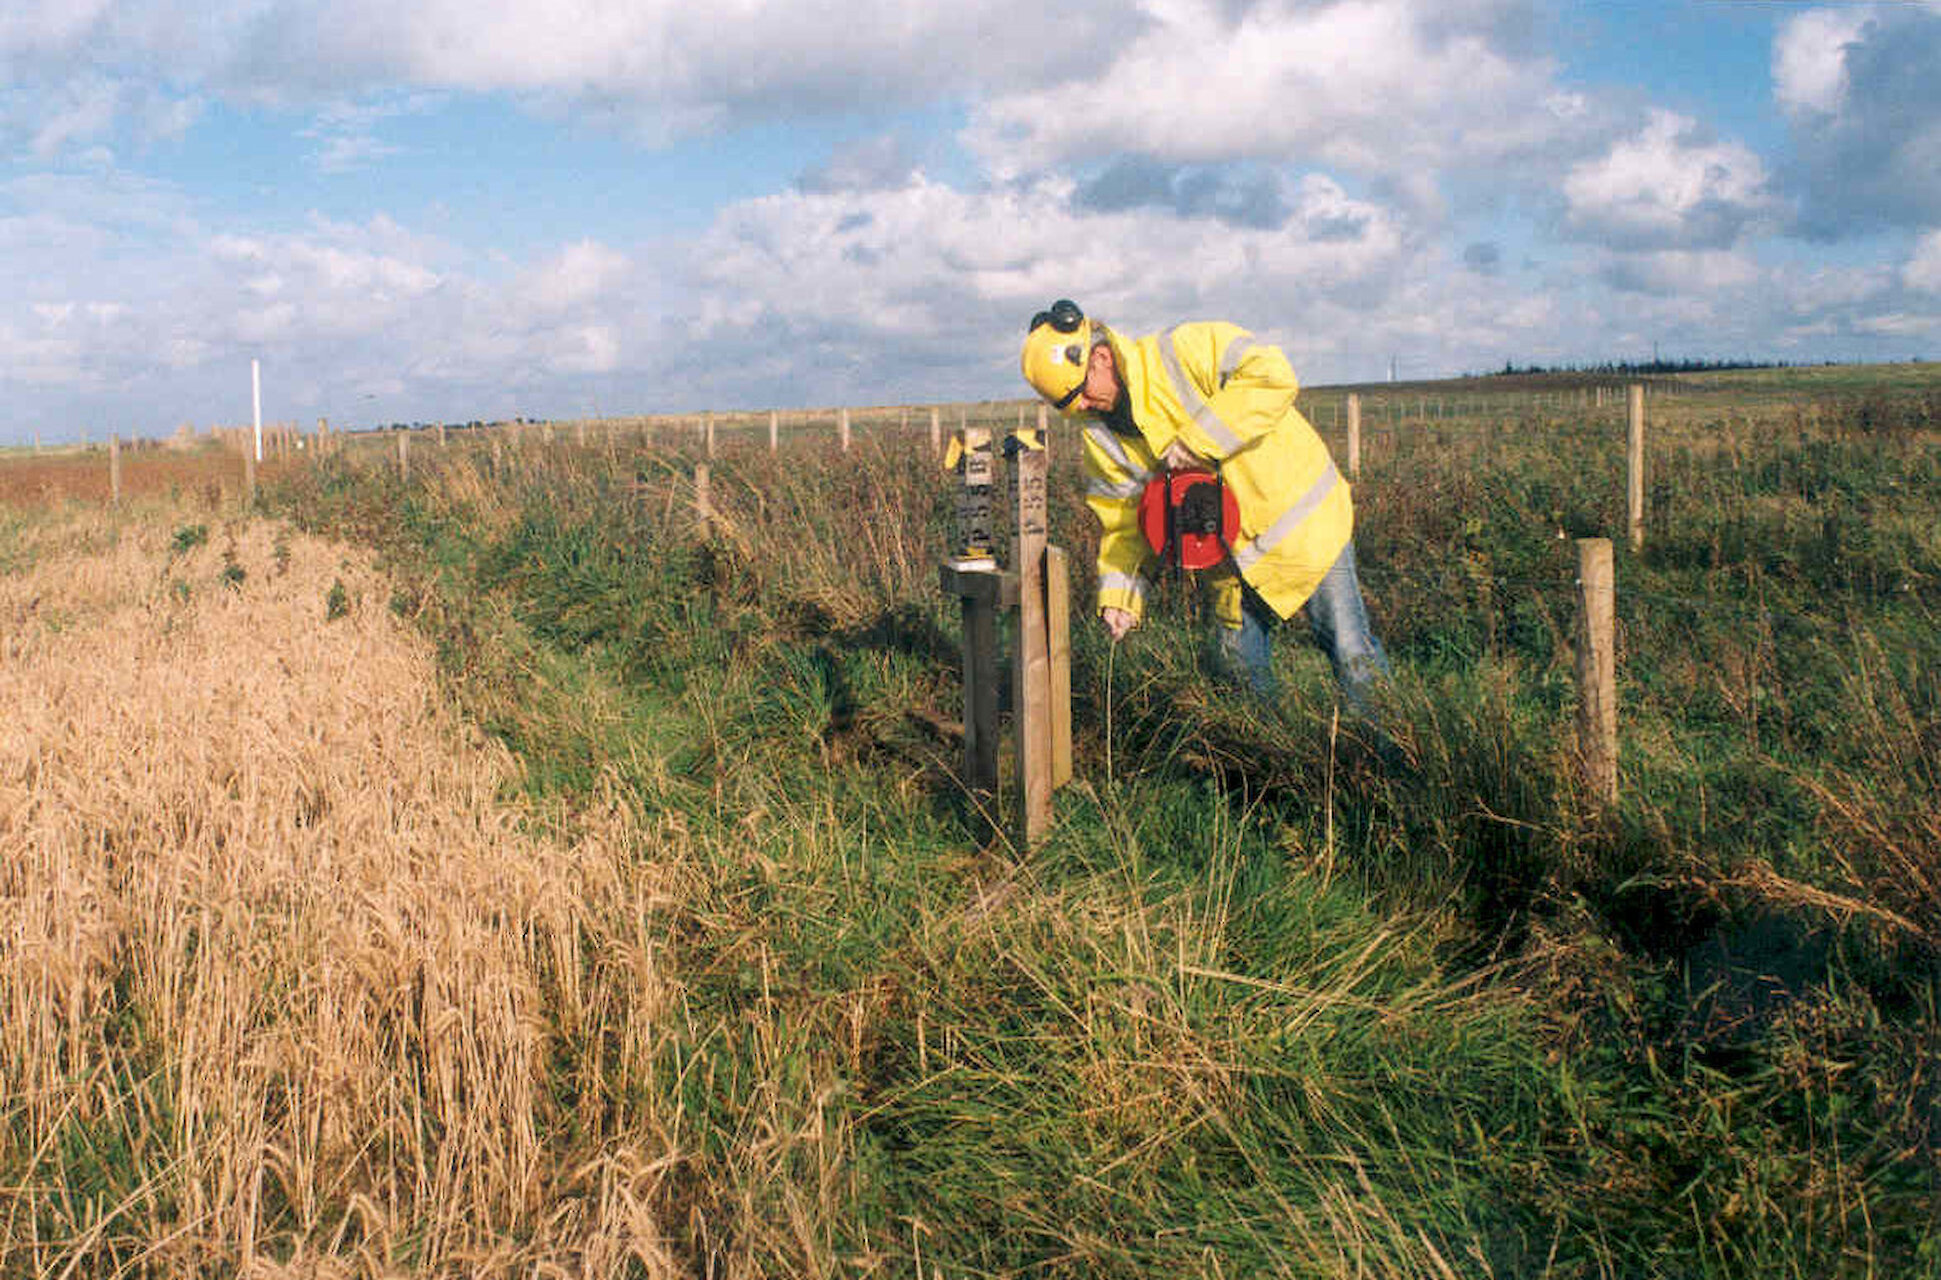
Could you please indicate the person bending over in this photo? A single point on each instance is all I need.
(1207, 396)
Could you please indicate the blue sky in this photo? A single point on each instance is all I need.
(446, 210)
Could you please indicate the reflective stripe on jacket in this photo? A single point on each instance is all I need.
(1230, 400)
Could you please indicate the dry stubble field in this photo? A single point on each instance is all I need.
(277, 938)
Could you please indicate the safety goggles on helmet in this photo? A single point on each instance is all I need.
(1063, 315)
(1046, 354)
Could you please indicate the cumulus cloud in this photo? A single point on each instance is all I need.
(1864, 103)
(1369, 86)
(660, 69)
(1681, 272)
(1923, 270)
(1670, 186)
(872, 164)
(579, 275)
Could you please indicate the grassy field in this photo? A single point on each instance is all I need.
(477, 873)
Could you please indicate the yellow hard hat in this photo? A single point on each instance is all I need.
(1056, 349)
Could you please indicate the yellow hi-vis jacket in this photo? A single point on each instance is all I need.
(1230, 400)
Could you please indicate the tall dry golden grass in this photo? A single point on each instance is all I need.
(288, 985)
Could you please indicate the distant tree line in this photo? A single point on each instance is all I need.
(1629, 368)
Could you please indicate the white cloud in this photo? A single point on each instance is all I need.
(1860, 92)
(1810, 58)
(1371, 86)
(660, 68)
(1704, 274)
(1923, 270)
(577, 275)
(1668, 187)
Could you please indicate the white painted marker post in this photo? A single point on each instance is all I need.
(256, 400)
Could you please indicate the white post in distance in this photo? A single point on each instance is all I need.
(256, 400)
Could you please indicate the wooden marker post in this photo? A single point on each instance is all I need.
(774, 431)
(703, 504)
(114, 467)
(936, 432)
(1058, 636)
(1039, 588)
(1634, 459)
(842, 429)
(1597, 732)
(972, 577)
(1031, 683)
(1354, 437)
(256, 402)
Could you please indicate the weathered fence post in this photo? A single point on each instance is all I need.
(774, 430)
(703, 503)
(1058, 634)
(114, 468)
(936, 432)
(1634, 460)
(1597, 730)
(842, 428)
(404, 454)
(710, 433)
(256, 402)
(972, 577)
(1031, 682)
(1354, 437)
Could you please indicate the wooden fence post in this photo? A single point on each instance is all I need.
(703, 503)
(1031, 682)
(1634, 458)
(404, 455)
(709, 429)
(774, 430)
(1597, 730)
(936, 433)
(114, 467)
(1354, 436)
(972, 577)
(842, 429)
(1058, 634)
(256, 402)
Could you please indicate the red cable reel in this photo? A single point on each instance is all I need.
(1190, 518)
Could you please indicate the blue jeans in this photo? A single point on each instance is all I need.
(1339, 618)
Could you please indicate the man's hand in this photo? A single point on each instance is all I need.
(1180, 458)
(1117, 622)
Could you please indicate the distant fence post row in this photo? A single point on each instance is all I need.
(1039, 581)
